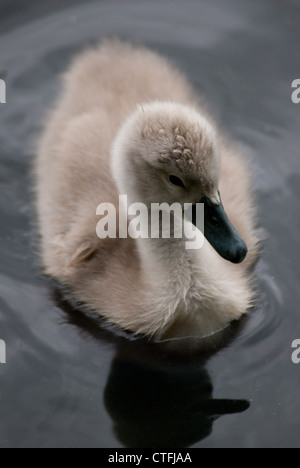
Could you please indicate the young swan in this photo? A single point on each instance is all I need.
(146, 139)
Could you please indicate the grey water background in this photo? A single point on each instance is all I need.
(71, 383)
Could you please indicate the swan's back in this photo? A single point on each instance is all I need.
(115, 77)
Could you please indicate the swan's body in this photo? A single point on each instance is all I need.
(151, 286)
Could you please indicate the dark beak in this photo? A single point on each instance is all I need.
(220, 233)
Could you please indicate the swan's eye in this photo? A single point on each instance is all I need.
(176, 181)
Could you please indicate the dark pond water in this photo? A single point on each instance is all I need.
(68, 382)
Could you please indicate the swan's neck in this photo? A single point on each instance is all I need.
(171, 249)
(170, 263)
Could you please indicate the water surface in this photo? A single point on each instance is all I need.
(70, 383)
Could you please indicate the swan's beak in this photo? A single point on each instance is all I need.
(221, 234)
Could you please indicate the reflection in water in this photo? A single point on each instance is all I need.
(155, 399)
(163, 406)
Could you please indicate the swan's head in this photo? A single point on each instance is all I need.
(168, 153)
